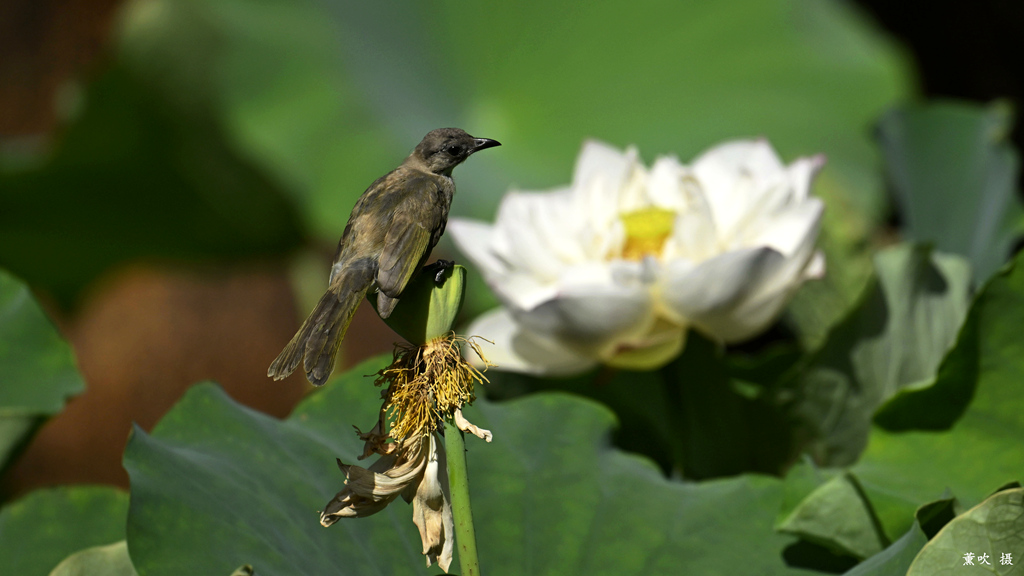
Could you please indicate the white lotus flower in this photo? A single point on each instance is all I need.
(616, 267)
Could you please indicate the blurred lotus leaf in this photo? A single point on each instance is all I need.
(41, 529)
(37, 367)
(954, 174)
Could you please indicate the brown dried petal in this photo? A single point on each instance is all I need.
(376, 440)
(467, 426)
(432, 510)
(368, 491)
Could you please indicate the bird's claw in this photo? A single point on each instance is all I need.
(440, 269)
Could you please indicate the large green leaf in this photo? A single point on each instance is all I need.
(705, 415)
(935, 404)
(897, 558)
(37, 367)
(982, 449)
(954, 172)
(989, 536)
(647, 414)
(41, 529)
(837, 516)
(894, 560)
(109, 560)
(217, 485)
(896, 337)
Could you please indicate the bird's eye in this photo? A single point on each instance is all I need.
(454, 150)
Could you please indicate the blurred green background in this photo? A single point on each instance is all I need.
(236, 129)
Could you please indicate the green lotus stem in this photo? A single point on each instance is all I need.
(462, 512)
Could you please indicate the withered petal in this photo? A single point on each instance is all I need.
(368, 491)
(467, 426)
(432, 511)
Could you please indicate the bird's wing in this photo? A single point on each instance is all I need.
(410, 237)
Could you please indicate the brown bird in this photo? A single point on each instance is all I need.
(393, 227)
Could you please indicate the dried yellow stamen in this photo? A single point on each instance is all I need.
(646, 232)
(426, 383)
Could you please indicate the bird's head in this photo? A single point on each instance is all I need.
(445, 148)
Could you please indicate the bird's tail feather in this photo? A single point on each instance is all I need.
(318, 340)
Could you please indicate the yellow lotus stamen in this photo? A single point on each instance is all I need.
(646, 232)
(427, 383)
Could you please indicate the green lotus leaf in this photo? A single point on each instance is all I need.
(896, 338)
(37, 367)
(989, 537)
(109, 560)
(954, 172)
(901, 469)
(217, 485)
(44, 527)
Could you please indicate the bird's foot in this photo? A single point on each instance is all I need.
(439, 269)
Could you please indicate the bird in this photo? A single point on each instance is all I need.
(389, 236)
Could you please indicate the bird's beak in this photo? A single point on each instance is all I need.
(481, 143)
